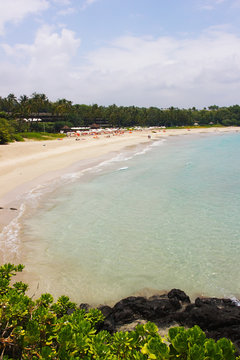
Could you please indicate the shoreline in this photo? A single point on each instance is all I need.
(21, 172)
(31, 162)
(67, 156)
(26, 165)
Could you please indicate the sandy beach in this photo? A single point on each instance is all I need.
(32, 168)
(24, 165)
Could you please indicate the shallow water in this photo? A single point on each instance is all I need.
(153, 217)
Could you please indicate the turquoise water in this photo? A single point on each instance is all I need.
(152, 218)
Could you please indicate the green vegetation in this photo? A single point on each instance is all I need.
(43, 329)
(7, 135)
(41, 136)
(51, 117)
(38, 114)
(6, 131)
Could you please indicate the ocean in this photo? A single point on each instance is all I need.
(151, 218)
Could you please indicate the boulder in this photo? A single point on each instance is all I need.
(217, 317)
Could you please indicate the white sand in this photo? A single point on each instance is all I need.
(23, 164)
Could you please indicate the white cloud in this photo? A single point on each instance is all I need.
(143, 71)
(51, 48)
(62, 2)
(88, 3)
(67, 11)
(207, 7)
(44, 64)
(15, 10)
(164, 71)
(210, 4)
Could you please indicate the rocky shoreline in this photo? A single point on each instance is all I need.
(216, 317)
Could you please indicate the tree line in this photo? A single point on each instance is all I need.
(54, 115)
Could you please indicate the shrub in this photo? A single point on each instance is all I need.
(46, 330)
(5, 131)
(18, 137)
(5, 137)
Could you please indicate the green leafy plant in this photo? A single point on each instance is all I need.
(6, 131)
(48, 330)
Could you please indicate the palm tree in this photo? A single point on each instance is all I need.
(24, 106)
(62, 107)
(11, 103)
(39, 103)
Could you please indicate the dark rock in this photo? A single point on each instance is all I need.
(108, 325)
(106, 310)
(70, 311)
(179, 295)
(217, 317)
(12, 208)
(157, 308)
(84, 306)
(210, 316)
(221, 303)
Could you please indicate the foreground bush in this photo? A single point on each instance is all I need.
(5, 131)
(43, 329)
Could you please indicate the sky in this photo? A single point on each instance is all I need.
(162, 53)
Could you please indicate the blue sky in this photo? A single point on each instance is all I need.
(129, 52)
